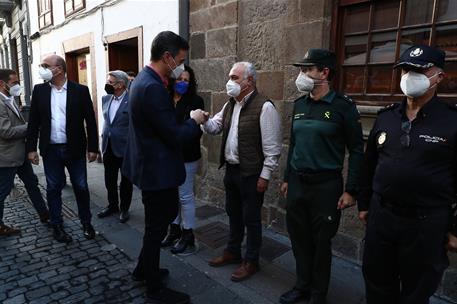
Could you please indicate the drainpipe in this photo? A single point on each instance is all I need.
(184, 21)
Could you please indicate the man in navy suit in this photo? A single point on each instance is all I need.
(153, 160)
(114, 141)
(63, 118)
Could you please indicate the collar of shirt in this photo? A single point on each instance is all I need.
(164, 79)
(328, 98)
(244, 100)
(120, 96)
(424, 111)
(10, 98)
(64, 87)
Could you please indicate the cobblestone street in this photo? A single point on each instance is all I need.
(36, 269)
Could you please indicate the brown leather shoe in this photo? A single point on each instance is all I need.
(7, 231)
(245, 270)
(226, 258)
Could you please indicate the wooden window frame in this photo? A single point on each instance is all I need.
(42, 14)
(74, 11)
(338, 43)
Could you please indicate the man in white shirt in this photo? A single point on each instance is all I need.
(250, 150)
(13, 129)
(114, 142)
(62, 117)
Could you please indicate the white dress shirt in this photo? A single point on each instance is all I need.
(269, 128)
(58, 114)
(115, 103)
(10, 101)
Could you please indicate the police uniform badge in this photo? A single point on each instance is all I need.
(381, 139)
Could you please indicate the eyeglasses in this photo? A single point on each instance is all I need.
(405, 139)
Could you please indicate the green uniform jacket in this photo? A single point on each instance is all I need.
(320, 133)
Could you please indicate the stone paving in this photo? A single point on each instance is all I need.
(36, 269)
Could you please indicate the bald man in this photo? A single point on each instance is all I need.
(62, 119)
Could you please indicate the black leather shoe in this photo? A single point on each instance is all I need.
(186, 244)
(89, 232)
(60, 235)
(136, 276)
(124, 216)
(107, 212)
(317, 299)
(167, 296)
(293, 296)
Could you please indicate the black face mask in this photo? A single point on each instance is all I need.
(109, 88)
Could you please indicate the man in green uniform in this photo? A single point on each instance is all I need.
(324, 124)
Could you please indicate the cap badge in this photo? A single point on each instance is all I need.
(416, 53)
(382, 138)
(306, 55)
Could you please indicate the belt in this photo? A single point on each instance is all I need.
(317, 177)
(413, 212)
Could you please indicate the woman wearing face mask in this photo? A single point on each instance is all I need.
(183, 93)
(324, 124)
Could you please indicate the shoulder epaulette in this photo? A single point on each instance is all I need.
(389, 107)
(345, 98)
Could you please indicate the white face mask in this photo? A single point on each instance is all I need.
(15, 90)
(304, 83)
(45, 74)
(177, 71)
(233, 88)
(415, 84)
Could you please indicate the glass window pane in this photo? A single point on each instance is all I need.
(418, 11)
(447, 10)
(386, 14)
(356, 19)
(379, 79)
(383, 47)
(353, 79)
(449, 84)
(355, 49)
(446, 39)
(416, 36)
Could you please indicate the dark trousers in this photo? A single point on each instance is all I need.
(30, 180)
(312, 221)
(243, 205)
(404, 258)
(113, 165)
(54, 162)
(160, 209)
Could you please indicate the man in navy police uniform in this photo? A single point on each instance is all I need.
(409, 183)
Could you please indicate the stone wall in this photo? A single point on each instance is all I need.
(271, 34)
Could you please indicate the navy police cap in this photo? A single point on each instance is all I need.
(421, 57)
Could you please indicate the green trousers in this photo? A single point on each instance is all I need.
(312, 221)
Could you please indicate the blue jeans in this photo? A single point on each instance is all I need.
(186, 214)
(55, 161)
(30, 180)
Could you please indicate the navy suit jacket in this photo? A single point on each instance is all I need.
(81, 126)
(116, 132)
(153, 159)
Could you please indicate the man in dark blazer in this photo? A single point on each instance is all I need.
(62, 117)
(153, 160)
(13, 129)
(114, 141)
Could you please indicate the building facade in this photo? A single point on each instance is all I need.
(97, 36)
(367, 35)
(14, 43)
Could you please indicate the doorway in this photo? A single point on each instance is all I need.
(123, 55)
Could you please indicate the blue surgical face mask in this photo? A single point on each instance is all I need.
(181, 87)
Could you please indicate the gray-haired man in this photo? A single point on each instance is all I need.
(114, 141)
(251, 146)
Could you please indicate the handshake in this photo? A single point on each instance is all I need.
(199, 116)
